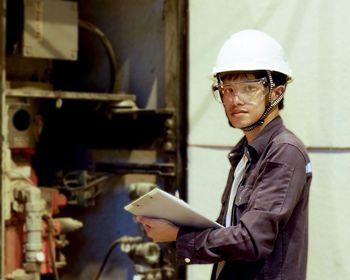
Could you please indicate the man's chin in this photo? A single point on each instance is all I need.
(237, 125)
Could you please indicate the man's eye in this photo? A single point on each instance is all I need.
(250, 88)
(228, 90)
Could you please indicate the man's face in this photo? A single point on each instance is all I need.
(244, 103)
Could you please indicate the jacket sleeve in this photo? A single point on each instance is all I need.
(267, 205)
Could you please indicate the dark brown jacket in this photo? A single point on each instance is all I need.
(269, 236)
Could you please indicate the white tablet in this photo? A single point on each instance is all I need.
(160, 204)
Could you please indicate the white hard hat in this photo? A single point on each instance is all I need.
(251, 50)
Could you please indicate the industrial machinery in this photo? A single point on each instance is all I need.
(93, 115)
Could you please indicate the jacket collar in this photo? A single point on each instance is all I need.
(258, 145)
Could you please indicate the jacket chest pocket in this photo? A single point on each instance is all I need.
(245, 190)
(243, 195)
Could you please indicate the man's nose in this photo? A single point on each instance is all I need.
(233, 97)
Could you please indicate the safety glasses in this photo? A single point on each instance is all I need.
(246, 90)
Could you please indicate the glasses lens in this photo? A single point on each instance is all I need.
(217, 95)
(246, 90)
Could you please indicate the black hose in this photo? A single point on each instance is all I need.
(111, 54)
(115, 243)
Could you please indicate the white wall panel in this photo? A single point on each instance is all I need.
(329, 238)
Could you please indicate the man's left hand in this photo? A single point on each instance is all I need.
(158, 229)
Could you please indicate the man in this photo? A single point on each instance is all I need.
(265, 203)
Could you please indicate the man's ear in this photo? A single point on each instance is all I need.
(277, 91)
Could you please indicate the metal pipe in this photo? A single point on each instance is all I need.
(35, 207)
(34, 210)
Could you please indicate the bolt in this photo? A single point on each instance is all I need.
(169, 146)
(169, 123)
(40, 257)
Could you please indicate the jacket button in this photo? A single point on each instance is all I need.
(187, 260)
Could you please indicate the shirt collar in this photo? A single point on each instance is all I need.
(237, 152)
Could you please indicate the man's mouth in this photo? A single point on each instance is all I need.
(238, 112)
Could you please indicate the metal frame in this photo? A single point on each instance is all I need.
(2, 132)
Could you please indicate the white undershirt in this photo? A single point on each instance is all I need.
(239, 173)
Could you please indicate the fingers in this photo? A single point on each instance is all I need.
(147, 229)
(147, 221)
(158, 230)
(141, 219)
(146, 226)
